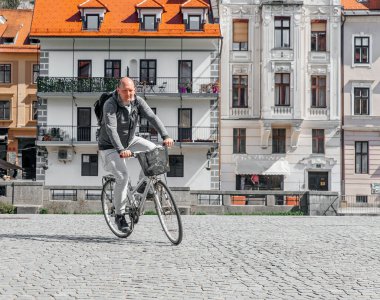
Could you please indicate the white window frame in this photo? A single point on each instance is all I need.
(361, 84)
(361, 35)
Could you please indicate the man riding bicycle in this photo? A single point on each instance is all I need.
(117, 138)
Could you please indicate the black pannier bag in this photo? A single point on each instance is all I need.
(154, 162)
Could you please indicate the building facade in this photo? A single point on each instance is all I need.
(19, 55)
(280, 111)
(361, 120)
(171, 52)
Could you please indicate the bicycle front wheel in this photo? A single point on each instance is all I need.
(109, 210)
(168, 212)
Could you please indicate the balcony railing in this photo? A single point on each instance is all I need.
(318, 111)
(240, 112)
(282, 110)
(58, 133)
(158, 85)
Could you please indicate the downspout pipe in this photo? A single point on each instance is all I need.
(342, 155)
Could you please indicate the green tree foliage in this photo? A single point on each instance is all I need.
(10, 4)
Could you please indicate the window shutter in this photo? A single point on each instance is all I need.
(318, 26)
(240, 31)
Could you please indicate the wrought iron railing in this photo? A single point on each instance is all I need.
(158, 85)
(61, 133)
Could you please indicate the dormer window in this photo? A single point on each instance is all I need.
(8, 40)
(149, 22)
(194, 22)
(149, 13)
(195, 14)
(92, 22)
(92, 12)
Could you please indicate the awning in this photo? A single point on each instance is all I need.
(280, 167)
(8, 166)
(262, 167)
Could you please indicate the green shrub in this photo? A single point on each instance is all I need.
(150, 213)
(6, 208)
(44, 211)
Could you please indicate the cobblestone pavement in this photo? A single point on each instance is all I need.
(221, 257)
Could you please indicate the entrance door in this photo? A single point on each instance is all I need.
(318, 181)
(185, 76)
(84, 124)
(27, 148)
(184, 125)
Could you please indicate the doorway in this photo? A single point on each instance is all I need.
(318, 181)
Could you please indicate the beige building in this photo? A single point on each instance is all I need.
(19, 70)
(361, 86)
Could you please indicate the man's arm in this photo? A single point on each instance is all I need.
(148, 113)
(110, 120)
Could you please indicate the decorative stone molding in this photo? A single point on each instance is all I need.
(318, 70)
(266, 129)
(240, 70)
(318, 161)
(296, 131)
(281, 68)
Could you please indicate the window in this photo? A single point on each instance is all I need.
(318, 136)
(239, 139)
(84, 68)
(361, 199)
(282, 85)
(92, 22)
(148, 71)
(259, 182)
(149, 22)
(361, 52)
(318, 91)
(34, 110)
(64, 195)
(176, 166)
(240, 35)
(361, 101)
(5, 73)
(282, 32)
(145, 126)
(112, 68)
(240, 91)
(278, 140)
(36, 72)
(318, 35)
(185, 120)
(8, 40)
(4, 110)
(34, 41)
(93, 195)
(89, 165)
(194, 22)
(361, 157)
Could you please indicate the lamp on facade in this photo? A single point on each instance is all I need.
(208, 155)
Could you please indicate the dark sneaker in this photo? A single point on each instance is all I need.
(121, 223)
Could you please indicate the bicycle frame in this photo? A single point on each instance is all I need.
(131, 193)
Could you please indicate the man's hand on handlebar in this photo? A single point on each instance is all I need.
(125, 154)
(168, 142)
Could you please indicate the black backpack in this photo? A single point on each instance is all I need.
(98, 106)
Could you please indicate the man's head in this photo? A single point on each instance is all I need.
(126, 90)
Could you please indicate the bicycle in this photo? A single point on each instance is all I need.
(153, 163)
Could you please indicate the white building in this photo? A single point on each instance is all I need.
(170, 50)
(280, 96)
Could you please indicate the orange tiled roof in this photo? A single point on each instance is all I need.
(195, 4)
(17, 26)
(149, 4)
(355, 5)
(92, 4)
(62, 18)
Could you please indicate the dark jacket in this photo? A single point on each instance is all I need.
(118, 125)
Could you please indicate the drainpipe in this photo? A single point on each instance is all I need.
(342, 107)
(219, 114)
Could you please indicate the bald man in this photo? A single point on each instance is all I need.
(117, 138)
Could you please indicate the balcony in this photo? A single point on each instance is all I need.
(282, 111)
(63, 135)
(161, 85)
(319, 112)
(240, 112)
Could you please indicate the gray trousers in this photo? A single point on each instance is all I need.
(117, 166)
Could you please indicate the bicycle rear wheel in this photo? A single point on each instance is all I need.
(168, 212)
(109, 210)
